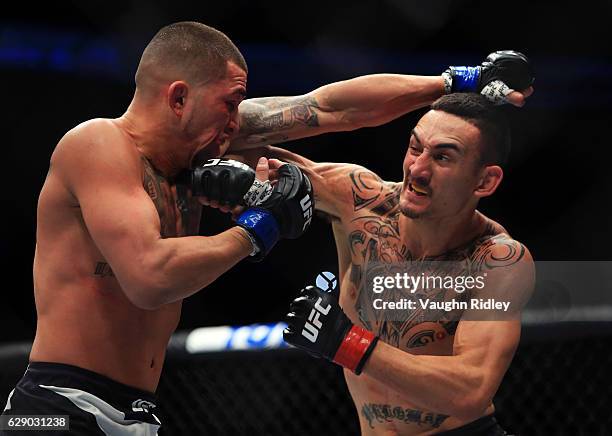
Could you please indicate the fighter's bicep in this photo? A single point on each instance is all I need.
(487, 347)
(107, 184)
(124, 225)
(120, 221)
(271, 120)
(489, 331)
(345, 190)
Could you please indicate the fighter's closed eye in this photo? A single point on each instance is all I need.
(415, 150)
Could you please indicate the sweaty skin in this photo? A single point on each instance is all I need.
(84, 317)
(370, 230)
(116, 248)
(103, 203)
(423, 377)
(372, 235)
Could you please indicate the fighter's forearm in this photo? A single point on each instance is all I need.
(376, 99)
(179, 267)
(351, 104)
(445, 384)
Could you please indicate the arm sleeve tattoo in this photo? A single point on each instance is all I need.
(264, 118)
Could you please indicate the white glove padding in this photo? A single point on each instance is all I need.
(258, 193)
(496, 92)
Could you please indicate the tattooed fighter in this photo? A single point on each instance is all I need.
(117, 246)
(419, 370)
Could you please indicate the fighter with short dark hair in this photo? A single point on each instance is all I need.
(118, 215)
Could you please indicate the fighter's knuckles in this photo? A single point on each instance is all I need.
(225, 181)
(291, 201)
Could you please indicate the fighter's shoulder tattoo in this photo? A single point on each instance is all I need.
(496, 252)
(264, 119)
(375, 225)
(370, 191)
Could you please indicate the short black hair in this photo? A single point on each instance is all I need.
(480, 112)
(190, 51)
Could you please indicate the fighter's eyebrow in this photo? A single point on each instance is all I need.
(444, 145)
(448, 145)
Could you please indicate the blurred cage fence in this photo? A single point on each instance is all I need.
(246, 381)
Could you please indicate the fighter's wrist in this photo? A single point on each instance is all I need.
(461, 79)
(250, 240)
(263, 230)
(355, 349)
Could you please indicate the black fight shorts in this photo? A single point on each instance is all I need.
(96, 405)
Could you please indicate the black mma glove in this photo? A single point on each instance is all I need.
(500, 74)
(227, 182)
(317, 324)
(286, 213)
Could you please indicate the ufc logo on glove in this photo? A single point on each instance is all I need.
(311, 331)
(306, 205)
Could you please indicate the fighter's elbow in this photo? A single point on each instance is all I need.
(145, 294)
(145, 288)
(147, 283)
(470, 406)
(348, 120)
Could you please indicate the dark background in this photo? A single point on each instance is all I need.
(63, 65)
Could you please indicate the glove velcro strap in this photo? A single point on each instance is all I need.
(355, 349)
(465, 79)
(262, 225)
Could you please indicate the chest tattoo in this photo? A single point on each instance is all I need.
(377, 250)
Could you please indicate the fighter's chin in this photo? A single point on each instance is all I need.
(411, 210)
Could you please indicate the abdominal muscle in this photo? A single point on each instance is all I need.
(383, 410)
(91, 324)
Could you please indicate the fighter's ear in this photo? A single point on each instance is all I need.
(177, 96)
(490, 178)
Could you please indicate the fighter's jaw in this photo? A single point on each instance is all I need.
(211, 150)
(413, 205)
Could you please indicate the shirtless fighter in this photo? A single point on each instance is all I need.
(117, 246)
(419, 371)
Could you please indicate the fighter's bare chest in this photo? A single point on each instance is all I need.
(376, 253)
(179, 212)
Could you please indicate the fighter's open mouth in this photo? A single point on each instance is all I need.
(416, 189)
